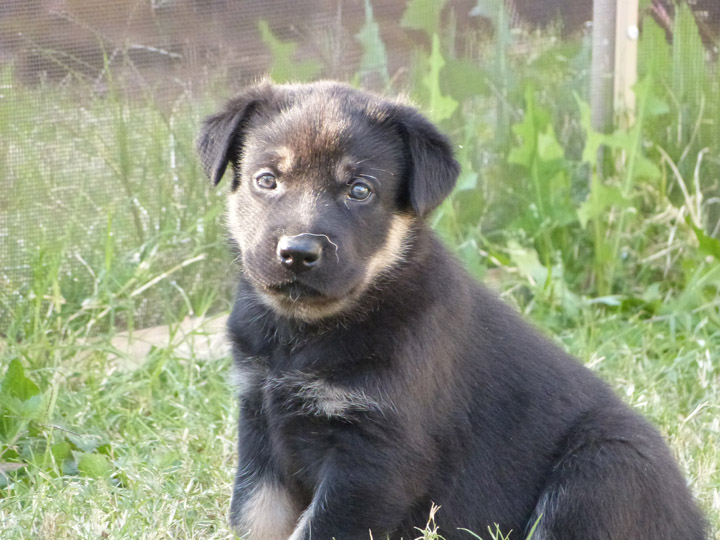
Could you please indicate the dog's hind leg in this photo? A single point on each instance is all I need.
(616, 489)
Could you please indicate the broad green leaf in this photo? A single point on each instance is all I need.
(61, 451)
(652, 293)
(167, 459)
(599, 202)
(31, 408)
(548, 147)
(441, 107)
(284, 67)
(528, 263)
(549, 281)
(423, 15)
(374, 58)
(621, 140)
(94, 465)
(470, 207)
(464, 79)
(645, 168)
(281, 52)
(559, 208)
(654, 106)
(593, 139)
(85, 443)
(535, 120)
(708, 245)
(16, 384)
(524, 153)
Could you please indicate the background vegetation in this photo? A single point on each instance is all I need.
(615, 256)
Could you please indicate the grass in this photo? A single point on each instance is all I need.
(102, 199)
(165, 433)
(109, 227)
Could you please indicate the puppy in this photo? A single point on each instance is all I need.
(377, 377)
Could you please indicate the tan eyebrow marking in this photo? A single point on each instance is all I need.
(286, 157)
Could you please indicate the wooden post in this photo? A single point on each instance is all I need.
(626, 50)
(603, 60)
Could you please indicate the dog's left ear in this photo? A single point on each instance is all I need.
(220, 138)
(431, 167)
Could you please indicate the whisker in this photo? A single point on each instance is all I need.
(337, 256)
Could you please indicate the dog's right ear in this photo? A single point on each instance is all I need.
(220, 138)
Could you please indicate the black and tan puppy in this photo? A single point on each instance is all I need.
(378, 377)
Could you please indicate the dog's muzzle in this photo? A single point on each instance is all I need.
(301, 252)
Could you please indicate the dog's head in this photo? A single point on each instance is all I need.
(328, 183)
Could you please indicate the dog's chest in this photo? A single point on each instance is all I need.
(313, 375)
(294, 393)
(308, 417)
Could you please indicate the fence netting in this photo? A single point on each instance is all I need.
(102, 203)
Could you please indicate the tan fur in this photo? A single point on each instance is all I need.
(320, 398)
(233, 217)
(392, 251)
(269, 514)
(303, 523)
(304, 311)
(287, 157)
(244, 378)
(334, 402)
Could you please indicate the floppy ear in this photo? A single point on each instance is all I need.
(431, 167)
(221, 135)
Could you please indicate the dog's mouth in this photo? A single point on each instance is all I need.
(303, 298)
(298, 300)
(295, 291)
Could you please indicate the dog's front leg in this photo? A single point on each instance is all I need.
(262, 506)
(354, 501)
(264, 511)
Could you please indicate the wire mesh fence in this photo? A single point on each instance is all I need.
(102, 200)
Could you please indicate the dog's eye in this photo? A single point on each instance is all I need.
(359, 191)
(266, 180)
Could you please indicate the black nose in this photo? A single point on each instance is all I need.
(301, 252)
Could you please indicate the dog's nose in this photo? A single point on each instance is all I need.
(301, 252)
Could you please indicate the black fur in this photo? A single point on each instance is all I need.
(417, 386)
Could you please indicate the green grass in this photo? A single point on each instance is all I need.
(102, 196)
(110, 227)
(106, 207)
(164, 433)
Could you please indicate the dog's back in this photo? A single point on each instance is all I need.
(551, 444)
